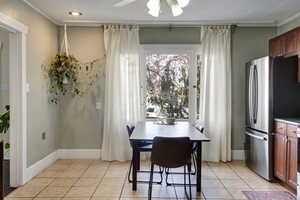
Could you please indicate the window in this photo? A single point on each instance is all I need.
(167, 86)
(170, 84)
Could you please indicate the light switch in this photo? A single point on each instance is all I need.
(98, 105)
(27, 88)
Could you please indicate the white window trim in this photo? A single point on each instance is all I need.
(190, 50)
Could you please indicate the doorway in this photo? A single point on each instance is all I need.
(169, 76)
(5, 106)
(17, 99)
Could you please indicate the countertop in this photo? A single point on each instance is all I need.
(293, 121)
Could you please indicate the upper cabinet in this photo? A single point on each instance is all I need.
(287, 45)
(275, 46)
(290, 42)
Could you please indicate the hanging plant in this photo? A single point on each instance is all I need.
(63, 76)
(67, 76)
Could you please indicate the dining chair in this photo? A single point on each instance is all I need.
(141, 147)
(194, 158)
(172, 153)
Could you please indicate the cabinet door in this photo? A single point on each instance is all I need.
(292, 162)
(275, 47)
(280, 156)
(298, 39)
(290, 42)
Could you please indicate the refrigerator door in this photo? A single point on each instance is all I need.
(258, 94)
(258, 153)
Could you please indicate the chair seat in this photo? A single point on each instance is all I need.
(145, 148)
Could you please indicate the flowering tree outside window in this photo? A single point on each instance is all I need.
(167, 89)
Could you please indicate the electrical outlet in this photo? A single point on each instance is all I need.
(43, 135)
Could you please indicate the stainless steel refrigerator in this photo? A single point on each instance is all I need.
(272, 92)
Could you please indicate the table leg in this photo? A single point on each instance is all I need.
(199, 166)
(134, 169)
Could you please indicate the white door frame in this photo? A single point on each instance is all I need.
(18, 101)
(191, 51)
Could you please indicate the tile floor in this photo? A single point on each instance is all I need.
(99, 180)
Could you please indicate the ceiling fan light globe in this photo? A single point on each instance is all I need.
(176, 10)
(154, 12)
(183, 3)
(153, 4)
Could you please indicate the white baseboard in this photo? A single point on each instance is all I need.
(238, 155)
(39, 166)
(79, 153)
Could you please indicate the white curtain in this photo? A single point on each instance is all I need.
(122, 90)
(215, 98)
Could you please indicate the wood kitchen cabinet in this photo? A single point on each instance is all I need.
(285, 153)
(275, 46)
(291, 176)
(289, 43)
(286, 45)
(280, 156)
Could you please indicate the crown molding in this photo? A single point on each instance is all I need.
(171, 23)
(289, 19)
(41, 12)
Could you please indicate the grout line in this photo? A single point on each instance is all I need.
(219, 179)
(101, 179)
(241, 177)
(125, 179)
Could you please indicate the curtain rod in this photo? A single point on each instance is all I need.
(152, 25)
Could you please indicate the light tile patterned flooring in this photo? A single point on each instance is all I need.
(99, 180)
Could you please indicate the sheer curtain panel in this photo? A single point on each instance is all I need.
(215, 98)
(122, 90)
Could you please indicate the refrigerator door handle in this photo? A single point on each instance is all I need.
(255, 77)
(256, 137)
(250, 95)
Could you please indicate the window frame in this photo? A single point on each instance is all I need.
(192, 51)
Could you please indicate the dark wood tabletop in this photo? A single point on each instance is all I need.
(146, 131)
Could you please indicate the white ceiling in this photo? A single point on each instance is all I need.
(264, 12)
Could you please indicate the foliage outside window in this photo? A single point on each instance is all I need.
(167, 89)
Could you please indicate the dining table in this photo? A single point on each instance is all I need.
(146, 131)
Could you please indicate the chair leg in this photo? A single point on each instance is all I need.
(167, 176)
(129, 173)
(161, 171)
(190, 184)
(194, 163)
(139, 159)
(150, 182)
(184, 181)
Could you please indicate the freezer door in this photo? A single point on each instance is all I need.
(258, 94)
(258, 153)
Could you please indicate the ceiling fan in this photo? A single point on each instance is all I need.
(154, 6)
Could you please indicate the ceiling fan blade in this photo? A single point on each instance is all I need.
(124, 3)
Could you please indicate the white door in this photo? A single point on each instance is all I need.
(169, 76)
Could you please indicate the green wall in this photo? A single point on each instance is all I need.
(81, 123)
(167, 35)
(42, 44)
